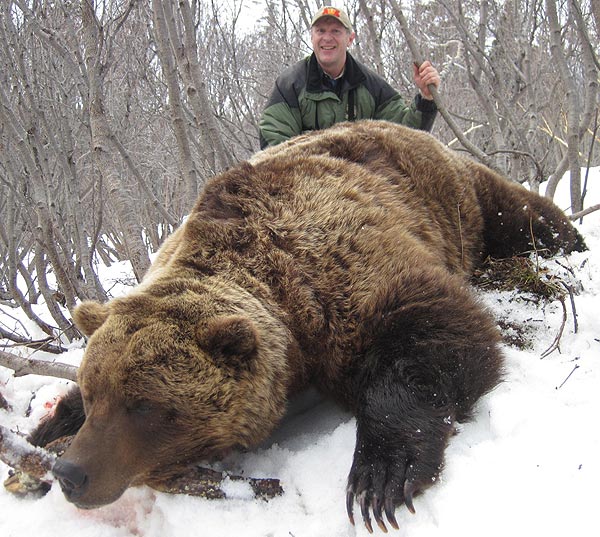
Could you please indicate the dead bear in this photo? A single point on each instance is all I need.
(339, 259)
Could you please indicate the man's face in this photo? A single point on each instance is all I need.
(330, 40)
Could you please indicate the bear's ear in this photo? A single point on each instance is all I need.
(231, 340)
(89, 316)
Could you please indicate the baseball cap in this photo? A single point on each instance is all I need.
(328, 11)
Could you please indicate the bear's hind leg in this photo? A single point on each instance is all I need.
(518, 221)
(67, 419)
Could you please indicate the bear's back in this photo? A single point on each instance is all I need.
(373, 186)
(318, 224)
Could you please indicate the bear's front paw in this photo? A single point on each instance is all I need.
(381, 483)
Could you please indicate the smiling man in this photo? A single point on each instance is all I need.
(331, 86)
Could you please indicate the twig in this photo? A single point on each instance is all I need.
(16, 320)
(572, 299)
(28, 366)
(585, 212)
(39, 344)
(569, 269)
(556, 341)
(33, 466)
(568, 376)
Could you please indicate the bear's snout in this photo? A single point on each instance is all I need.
(104, 458)
(72, 478)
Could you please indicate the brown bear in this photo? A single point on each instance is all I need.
(340, 259)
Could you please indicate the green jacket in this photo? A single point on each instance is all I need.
(302, 101)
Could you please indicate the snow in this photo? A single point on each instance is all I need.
(527, 465)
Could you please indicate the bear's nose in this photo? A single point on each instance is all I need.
(72, 478)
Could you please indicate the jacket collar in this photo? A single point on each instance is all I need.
(353, 74)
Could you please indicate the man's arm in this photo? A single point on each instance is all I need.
(281, 118)
(420, 114)
(279, 122)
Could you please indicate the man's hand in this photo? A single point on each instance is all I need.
(425, 75)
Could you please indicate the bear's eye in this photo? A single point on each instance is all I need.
(141, 408)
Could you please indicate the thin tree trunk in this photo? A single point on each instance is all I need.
(63, 323)
(591, 67)
(196, 89)
(375, 39)
(169, 69)
(595, 7)
(102, 145)
(573, 104)
(11, 276)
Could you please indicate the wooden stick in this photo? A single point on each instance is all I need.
(23, 457)
(208, 483)
(29, 366)
(585, 212)
(418, 59)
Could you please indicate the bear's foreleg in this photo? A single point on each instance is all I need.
(434, 353)
(66, 420)
(399, 448)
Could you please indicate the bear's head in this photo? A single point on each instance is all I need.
(175, 373)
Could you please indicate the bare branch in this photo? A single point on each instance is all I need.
(28, 366)
(37, 344)
(572, 300)
(208, 483)
(418, 59)
(585, 212)
(526, 154)
(556, 343)
(575, 368)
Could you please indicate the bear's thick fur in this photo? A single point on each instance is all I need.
(340, 258)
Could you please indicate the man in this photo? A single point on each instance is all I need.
(330, 86)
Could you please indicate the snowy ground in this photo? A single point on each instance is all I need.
(528, 465)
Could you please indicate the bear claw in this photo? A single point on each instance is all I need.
(364, 509)
(409, 490)
(350, 504)
(389, 513)
(376, 505)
